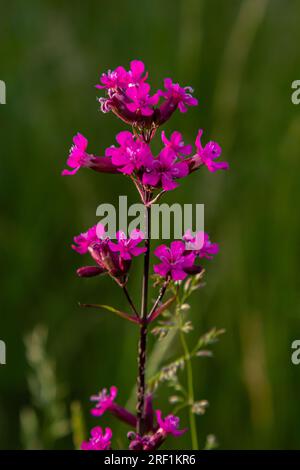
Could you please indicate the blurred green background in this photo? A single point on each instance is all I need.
(241, 58)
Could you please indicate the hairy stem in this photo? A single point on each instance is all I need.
(141, 384)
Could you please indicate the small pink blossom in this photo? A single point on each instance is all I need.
(176, 144)
(201, 244)
(180, 95)
(164, 170)
(78, 157)
(131, 155)
(98, 440)
(119, 79)
(175, 261)
(209, 154)
(96, 242)
(85, 239)
(114, 79)
(104, 401)
(169, 425)
(127, 247)
(141, 101)
(135, 74)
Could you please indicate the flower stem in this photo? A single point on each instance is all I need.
(130, 301)
(141, 384)
(159, 298)
(190, 385)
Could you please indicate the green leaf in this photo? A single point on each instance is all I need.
(161, 309)
(114, 310)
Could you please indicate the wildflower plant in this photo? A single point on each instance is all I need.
(177, 272)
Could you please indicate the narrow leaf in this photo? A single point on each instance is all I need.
(161, 309)
(121, 314)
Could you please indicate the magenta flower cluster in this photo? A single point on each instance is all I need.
(110, 257)
(157, 429)
(133, 156)
(128, 95)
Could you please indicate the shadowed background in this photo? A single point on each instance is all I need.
(241, 58)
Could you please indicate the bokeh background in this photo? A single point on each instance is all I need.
(241, 58)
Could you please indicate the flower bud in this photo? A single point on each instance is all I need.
(89, 271)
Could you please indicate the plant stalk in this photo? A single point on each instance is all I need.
(141, 383)
(130, 301)
(190, 386)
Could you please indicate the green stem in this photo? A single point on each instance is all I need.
(190, 385)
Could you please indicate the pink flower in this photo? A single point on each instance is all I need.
(169, 425)
(84, 240)
(78, 157)
(142, 102)
(127, 247)
(176, 144)
(104, 401)
(209, 154)
(135, 74)
(114, 79)
(96, 242)
(201, 244)
(175, 262)
(181, 96)
(119, 79)
(98, 440)
(131, 155)
(164, 169)
(128, 96)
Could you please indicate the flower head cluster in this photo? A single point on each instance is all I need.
(129, 96)
(175, 261)
(178, 260)
(133, 157)
(111, 258)
(156, 432)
